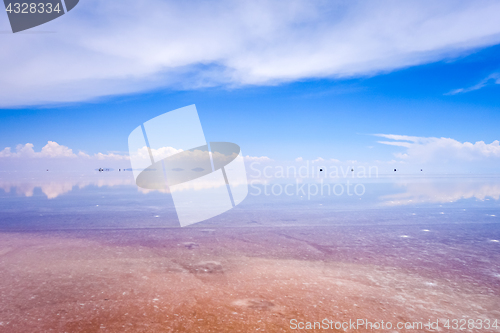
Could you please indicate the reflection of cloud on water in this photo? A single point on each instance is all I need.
(53, 188)
(193, 186)
(146, 191)
(204, 185)
(442, 192)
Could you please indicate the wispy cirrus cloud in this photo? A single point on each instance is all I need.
(489, 80)
(106, 48)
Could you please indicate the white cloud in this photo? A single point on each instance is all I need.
(323, 160)
(6, 152)
(56, 155)
(249, 158)
(103, 48)
(51, 149)
(429, 149)
(490, 79)
(158, 154)
(111, 156)
(54, 150)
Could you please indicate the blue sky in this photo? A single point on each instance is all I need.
(313, 103)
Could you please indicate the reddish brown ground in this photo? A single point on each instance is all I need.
(241, 279)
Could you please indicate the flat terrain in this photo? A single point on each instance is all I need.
(247, 279)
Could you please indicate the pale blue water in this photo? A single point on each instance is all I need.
(112, 200)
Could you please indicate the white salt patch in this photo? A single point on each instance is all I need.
(157, 215)
(494, 241)
(426, 230)
(404, 236)
(493, 215)
(441, 213)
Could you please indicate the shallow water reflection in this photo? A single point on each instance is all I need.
(444, 190)
(112, 200)
(54, 185)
